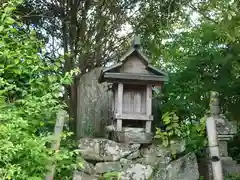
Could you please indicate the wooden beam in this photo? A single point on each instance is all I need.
(112, 67)
(120, 98)
(135, 76)
(120, 106)
(156, 71)
(149, 107)
(119, 124)
(128, 53)
(113, 102)
(149, 99)
(128, 81)
(148, 127)
(142, 117)
(56, 141)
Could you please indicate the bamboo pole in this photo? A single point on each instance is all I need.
(56, 141)
(212, 137)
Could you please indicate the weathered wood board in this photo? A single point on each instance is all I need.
(94, 105)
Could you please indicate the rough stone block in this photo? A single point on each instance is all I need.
(104, 167)
(184, 168)
(137, 172)
(134, 135)
(98, 149)
(82, 176)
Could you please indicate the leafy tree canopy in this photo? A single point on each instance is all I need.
(30, 99)
(200, 56)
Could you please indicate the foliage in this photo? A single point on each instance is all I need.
(200, 73)
(90, 35)
(196, 139)
(200, 55)
(172, 128)
(227, 177)
(233, 148)
(93, 33)
(30, 97)
(192, 133)
(232, 177)
(86, 31)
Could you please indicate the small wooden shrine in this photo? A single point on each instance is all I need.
(132, 81)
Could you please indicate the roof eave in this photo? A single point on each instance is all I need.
(156, 71)
(135, 76)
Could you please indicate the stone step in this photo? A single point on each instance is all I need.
(77, 175)
(229, 162)
(231, 168)
(134, 136)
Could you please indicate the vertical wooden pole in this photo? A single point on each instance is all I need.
(120, 104)
(137, 102)
(212, 137)
(56, 141)
(113, 102)
(149, 107)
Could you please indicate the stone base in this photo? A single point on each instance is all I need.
(134, 135)
(132, 161)
(230, 166)
(231, 169)
(77, 175)
(227, 160)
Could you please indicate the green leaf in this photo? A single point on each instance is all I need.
(165, 143)
(229, 16)
(81, 165)
(1, 28)
(9, 20)
(169, 127)
(16, 71)
(9, 9)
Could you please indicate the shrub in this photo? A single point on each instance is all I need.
(232, 177)
(193, 134)
(30, 95)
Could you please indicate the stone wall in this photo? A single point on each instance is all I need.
(133, 161)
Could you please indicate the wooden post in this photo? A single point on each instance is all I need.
(212, 137)
(56, 141)
(120, 104)
(113, 102)
(148, 107)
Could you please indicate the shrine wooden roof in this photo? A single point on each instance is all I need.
(133, 66)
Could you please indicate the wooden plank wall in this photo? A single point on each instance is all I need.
(134, 100)
(134, 65)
